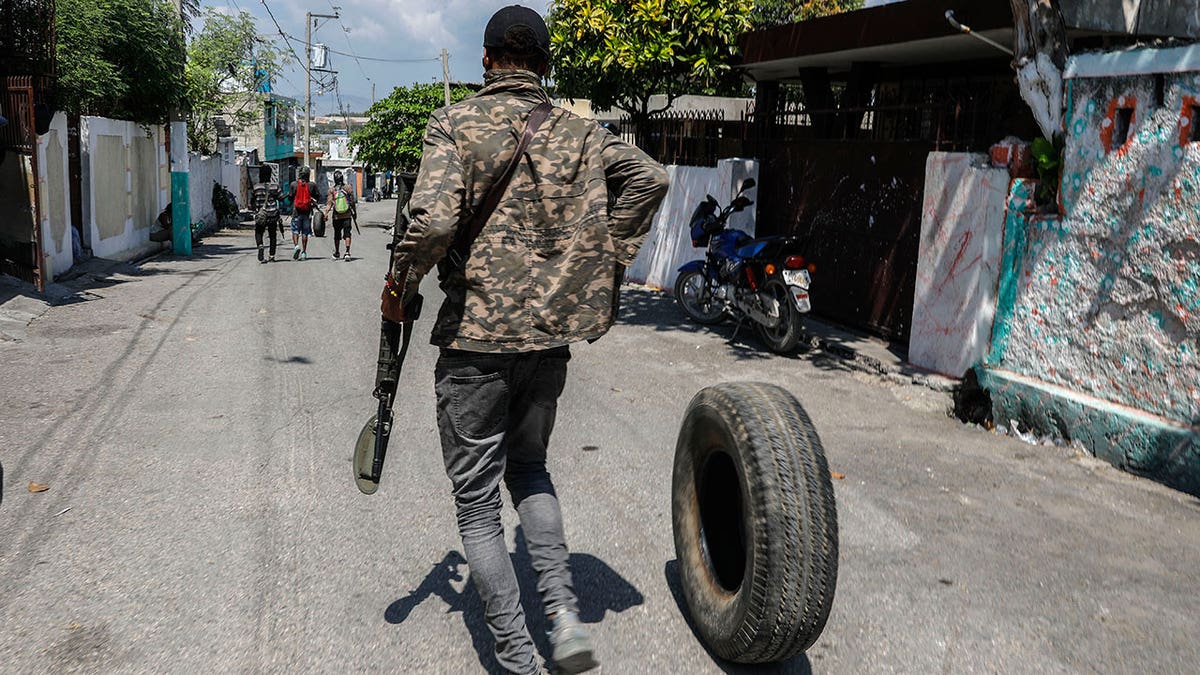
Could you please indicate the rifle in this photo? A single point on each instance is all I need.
(371, 448)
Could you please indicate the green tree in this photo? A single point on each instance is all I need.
(119, 58)
(619, 53)
(392, 137)
(769, 13)
(227, 63)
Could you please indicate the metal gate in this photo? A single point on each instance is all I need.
(18, 139)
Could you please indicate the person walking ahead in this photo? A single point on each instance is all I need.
(304, 199)
(543, 273)
(343, 210)
(264, 203)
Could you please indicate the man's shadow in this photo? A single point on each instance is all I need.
(600, 589)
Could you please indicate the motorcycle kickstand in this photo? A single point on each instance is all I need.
(737, 327)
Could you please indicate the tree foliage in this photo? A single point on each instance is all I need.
(619, 53)
(769, 13)
(227, 62)
(119, 58)
(392, 138)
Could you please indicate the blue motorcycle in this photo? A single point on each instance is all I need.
(764, 281)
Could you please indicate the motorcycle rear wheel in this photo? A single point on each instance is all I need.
(784, 337)
(696, 300)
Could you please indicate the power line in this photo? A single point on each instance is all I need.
(370, 58)
(349, 45)
(366, 58)
(280, 29)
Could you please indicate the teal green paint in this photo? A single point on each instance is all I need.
(277, 146)
(181, 214)
(1014, 248)
(1141, 444)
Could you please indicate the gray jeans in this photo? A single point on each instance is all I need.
(495, 415)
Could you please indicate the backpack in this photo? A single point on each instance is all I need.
(341, 203)
(266, 197)
(304, 198)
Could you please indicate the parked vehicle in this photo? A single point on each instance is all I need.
(764, 281)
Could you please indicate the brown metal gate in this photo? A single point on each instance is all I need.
(19, 140)
(857, 208)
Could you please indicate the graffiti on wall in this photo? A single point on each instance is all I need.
(1107, 298)
(962, 220)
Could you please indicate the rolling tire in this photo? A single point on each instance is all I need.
(755, 523)
(685, 295)
(783, 338)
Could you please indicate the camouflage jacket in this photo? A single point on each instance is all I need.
(542, 272)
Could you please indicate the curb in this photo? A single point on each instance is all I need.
(893, 373)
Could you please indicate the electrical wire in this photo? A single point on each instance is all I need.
(285, 35)
(366, 58)
(349, 45)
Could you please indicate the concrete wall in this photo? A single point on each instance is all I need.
(1097, 337)
(1109, 303)
(231, 173)
(54, 192)
(202, 173)
(669, 244)
(958, 268)
(205, 170)
(1147, 18)
(126, 183)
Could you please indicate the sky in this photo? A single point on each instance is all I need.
(381, 29)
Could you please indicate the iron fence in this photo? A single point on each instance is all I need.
(691, 138)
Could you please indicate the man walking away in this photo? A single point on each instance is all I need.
(543, 272)
(343, 210)
(264, 202)
(305, 199)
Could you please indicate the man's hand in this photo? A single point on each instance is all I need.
(392, 304)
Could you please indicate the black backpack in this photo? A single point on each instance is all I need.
(266, 198)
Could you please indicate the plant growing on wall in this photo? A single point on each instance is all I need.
(619, 53)
(119, 58)
(227, 63)
(1047, 163)
(392, 137)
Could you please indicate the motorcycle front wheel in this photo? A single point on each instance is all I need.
(786, 334)
(696, 299)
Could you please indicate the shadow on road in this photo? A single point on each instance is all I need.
(600, 589)
(799, 665)
(302, 360)
(656, 310)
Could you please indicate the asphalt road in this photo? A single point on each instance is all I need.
(194, 421)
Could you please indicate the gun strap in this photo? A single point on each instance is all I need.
(461, 249)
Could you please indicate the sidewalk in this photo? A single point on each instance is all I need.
(21, 304)
(874, 355)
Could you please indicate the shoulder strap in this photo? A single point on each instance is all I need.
(466, 237)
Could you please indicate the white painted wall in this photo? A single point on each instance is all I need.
(55, 196)
(202, 173)
(122, 192)
(231, 173)
(958, 268)
(668, 246)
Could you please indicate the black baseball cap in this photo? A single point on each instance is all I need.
(515, 18)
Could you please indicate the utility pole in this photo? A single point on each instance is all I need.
(372, 94)
(307, 87)
(308, 70)
(446, 74)
(181, 207)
